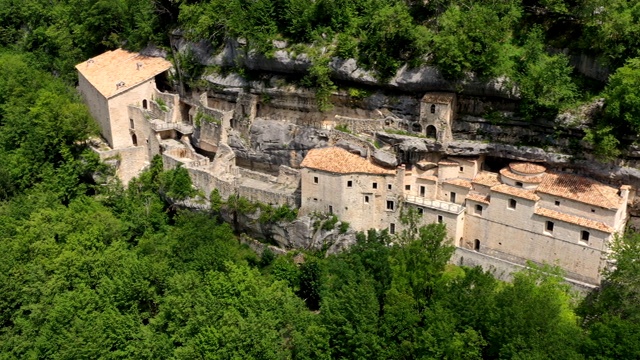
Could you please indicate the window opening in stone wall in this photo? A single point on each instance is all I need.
(433, 109)
(315, 179)
(407, 187)
(584, 236)
(315, 199)
(134, 139)
(593, 210)
(549, 226)
(423, 191)
(144, 104)
(416, 127)
(330, 209)
(479, 209)
(390, 205)
(431, 132)
(389, 186)
(349, 183)
(392, 228)
(374, 185)
(440, 219)
(366, 199)
(557, 203)
(519, 184)
(461, 168)
(420, 211)
(452, 197)
(131, 124)
(512, 204)
(476, 245)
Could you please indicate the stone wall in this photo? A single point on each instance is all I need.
(502, 269)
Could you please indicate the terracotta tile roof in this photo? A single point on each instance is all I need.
(340, 161)
(459, 182)
(574, 220)
(517, 192)
(527, 168)
(119, 66)
(478, 198)
(448, 162)
(439, 98)
(580, 189)
(428, 177)
(535, 179)
(486, 178)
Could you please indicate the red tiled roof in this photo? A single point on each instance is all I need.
(340, 161)
(478, 198)
(535, 179)
(119, 66)
(580, 189)
(448, 162)
(459, 182)
(574, 220)
(527, 168)
(486, 178)
(517, 192)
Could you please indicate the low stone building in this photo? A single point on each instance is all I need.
(523, 213)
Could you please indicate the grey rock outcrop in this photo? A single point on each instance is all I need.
(385, 158)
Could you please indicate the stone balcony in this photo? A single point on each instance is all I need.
(445, 206)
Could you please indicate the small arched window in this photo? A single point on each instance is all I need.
(476, 245)
(144, 104)
(134, 139)
(433, 109)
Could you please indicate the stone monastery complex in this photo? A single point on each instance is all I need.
(524, 212)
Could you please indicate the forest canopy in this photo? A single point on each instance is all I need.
(91, 270)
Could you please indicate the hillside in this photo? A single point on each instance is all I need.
(91, 269)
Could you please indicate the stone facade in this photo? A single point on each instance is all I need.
(523, 213)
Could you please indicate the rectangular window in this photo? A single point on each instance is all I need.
(479, 209)
(420, 211)
(423, 191)
(512, 204)
(440, 219)
(452, 197)
(374, 185)
(392, 228)
(407, 187)
(315, 179)
(557, 203)
(330, 209)
(390, 205)
(584, 236)
(315, 199)
(131, 123)
(549, 226)
(518, 184)
(461, 168)
(349, 183)
(366, 199)
(389, 186)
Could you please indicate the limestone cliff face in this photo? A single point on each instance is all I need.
(285, 61)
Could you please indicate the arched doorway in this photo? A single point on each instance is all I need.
(431, 132)
(144, 104)
(415, 127)
(134, 139)
(433, 109)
